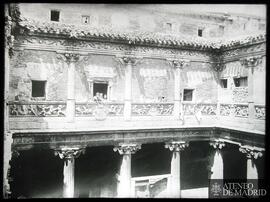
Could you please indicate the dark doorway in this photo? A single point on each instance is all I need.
(100, 88)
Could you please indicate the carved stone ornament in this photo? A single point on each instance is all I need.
(127, 148)
(125, 59)
(69, 153)
(217, 144)
(251, 152)
(68, 57)
(178, 63)
(251, 61)
(219, 66)
(176, 146)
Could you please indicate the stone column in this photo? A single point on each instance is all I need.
(69, 155)
(175, 186)
(178, 64)
(251, 154)
(70, 59)
(251, 63)
(128, 61)
(217, 167)
(124, 187)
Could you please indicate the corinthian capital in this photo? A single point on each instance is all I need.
(251, 152)
(69, 57)
(176, 146)
(251, 61)
(127, 59)
(127, 148)
(178, 63)
(69, 153)
(217, 144)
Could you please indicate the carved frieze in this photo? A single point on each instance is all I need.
(38, 110)
(88, 109)
(127, 148)
(245, 50)
(260, 112)
(105, 46)
(251, 152)
(205, 109)
(176, 146)
(237, 110)
(158, 109)
(251, 61)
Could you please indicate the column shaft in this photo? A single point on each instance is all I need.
(124, 189)
(128, 90)
(252, 172)
(217, 168)
(175, 172)
(68, 189)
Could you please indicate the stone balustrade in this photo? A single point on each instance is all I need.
(235, 110)
(260, 111)
(37, 109)
(88, 109)
(152, 109)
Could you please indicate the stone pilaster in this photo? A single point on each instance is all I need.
(129, 62)
(178, 65)
(174, 187)
(69, 155)
(70, 59)
(217, 167)
(251, 63)
(124, 186)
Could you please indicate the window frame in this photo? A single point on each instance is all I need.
(54, 10)
(221, 84)
(239, 81)
(88, 16)
(192, 97)
(45, 89)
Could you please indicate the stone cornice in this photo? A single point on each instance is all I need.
(131, 38)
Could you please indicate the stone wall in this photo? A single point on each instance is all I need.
(125, 17)
(27, 65)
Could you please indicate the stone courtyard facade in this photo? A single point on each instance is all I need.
(93, 82)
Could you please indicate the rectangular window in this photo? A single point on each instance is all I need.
(200, 32)
(223, 83)
(240, 82)
(55, 15)
(85, 19)
(168, 26)
(100, 90)
(38, 88)
(188, 95)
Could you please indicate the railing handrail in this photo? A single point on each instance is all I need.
(146, 103)
(94, 103)
(120, 103)
(151, 177)
(36, 102)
